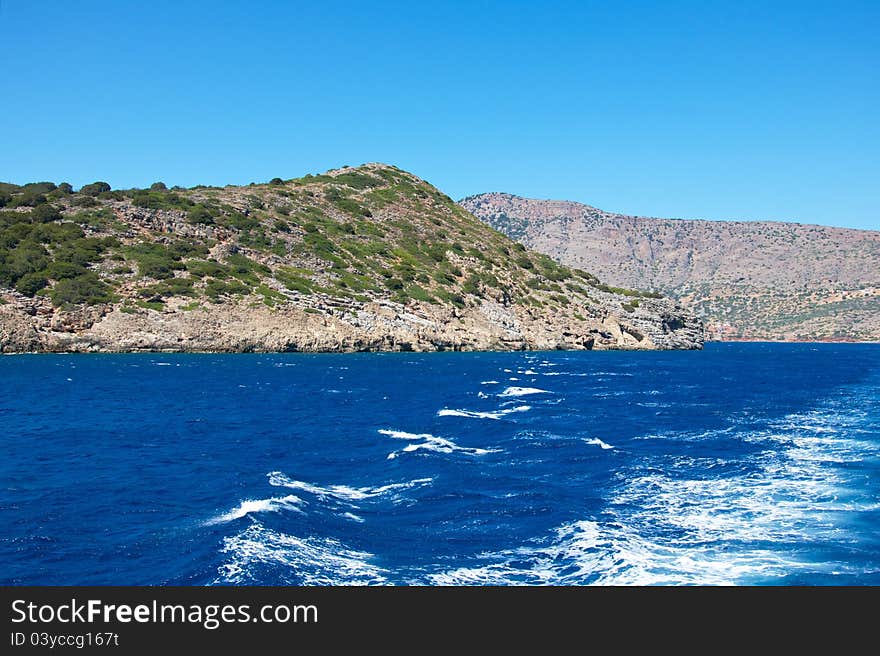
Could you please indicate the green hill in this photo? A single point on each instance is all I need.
(337, 245)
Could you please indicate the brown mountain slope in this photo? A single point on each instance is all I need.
(356, 259)
(748, 280)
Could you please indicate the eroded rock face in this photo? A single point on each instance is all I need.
(347, 326)
(18, 332)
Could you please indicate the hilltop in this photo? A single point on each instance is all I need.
(355, 259)
(747, 280)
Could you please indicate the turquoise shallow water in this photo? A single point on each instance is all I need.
(741, 464)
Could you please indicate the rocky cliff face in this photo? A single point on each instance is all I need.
(751, 280)
(363, 259)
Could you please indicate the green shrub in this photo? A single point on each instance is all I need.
(451, 297)
(437, 251)
(39, 187)
(27, 257)
(200, 215)
(418, 293)
(171, 287)
(215, 289)
(30, 283)
(158, 305)
(472, 285)
(160, 200)
(94, 188)
(155, 260)
(293, 280)
(83, 201)
(98, 219)
(271, 297)
(255, 239)
(62, 270)
(357, 180)
(158, 186)
(524, 262)
(27, 199)
(276, 181)
(237, 220)
(45, 213)
(209, 268)
(87, 288)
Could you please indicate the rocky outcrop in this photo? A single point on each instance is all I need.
(336, 326)
(18, 331)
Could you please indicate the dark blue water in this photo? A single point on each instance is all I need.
(741, 464)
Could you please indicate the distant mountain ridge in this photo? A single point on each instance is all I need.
(748, 280)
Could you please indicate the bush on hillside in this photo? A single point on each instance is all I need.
(95, 188)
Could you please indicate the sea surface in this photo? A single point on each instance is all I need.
(741, 464)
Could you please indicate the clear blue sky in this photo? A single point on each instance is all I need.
(753, 110)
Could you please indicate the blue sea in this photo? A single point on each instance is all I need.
(742, 464)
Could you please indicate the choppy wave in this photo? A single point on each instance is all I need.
(734, 504)
(258, 553)
(344, 492)
(664, 526)
(474, 414)
(250, 506)
(522, 391)
(430, 443)
(589, 553)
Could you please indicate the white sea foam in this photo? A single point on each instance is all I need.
(345, 492)
(294, 560)
(586, 552)
(498, 414)
(595, 441)
(489, 382)
(249, 506)
(430, 443)
(677, 521)
(403, 435)
(522, 391)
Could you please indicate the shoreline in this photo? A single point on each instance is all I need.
(792, 341)
(431, 352)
